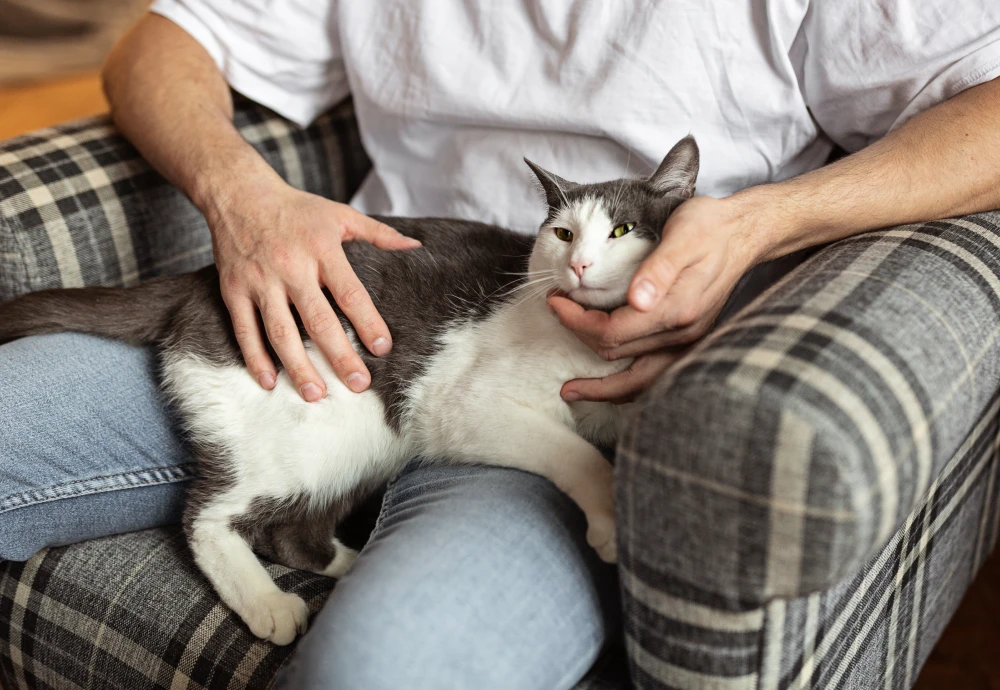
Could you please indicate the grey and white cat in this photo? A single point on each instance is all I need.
(474, 377)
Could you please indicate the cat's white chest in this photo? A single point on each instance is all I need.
(520, 355)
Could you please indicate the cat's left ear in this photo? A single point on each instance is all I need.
(678, 171)
(553, 186)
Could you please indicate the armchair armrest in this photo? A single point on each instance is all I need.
(79, 206)
(782, 453)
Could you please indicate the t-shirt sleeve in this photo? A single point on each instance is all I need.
(871, 66)
(283, 54)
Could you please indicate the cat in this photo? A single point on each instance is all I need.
(474, 376)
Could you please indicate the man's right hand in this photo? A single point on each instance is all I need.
(280, 247)
(275, 246)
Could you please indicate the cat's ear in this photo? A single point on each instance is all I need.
(553, 186)
(678, 171)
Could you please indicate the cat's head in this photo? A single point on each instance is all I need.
(596, 235)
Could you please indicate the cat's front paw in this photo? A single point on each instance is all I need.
(601, 536)
(278, 617)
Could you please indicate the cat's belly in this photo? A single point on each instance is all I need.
(275, 443)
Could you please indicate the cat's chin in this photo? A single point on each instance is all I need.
(600, 299)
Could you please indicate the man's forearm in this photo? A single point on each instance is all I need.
(944, 162)
(169, 98)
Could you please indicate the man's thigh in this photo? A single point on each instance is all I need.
(476, 577)
(87, 444)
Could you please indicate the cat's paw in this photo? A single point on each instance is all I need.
(343, 559)
(601, 536)
(278, 617)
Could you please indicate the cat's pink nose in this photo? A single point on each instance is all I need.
(579, 267)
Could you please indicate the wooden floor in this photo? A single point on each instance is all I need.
(30, 106)
(966, 658)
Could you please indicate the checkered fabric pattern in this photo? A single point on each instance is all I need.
(804, 499)
(79, 206)
(131, 612)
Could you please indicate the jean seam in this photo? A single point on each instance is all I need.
(76, 488)
(388, 498)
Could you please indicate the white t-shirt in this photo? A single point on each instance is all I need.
(451, 94)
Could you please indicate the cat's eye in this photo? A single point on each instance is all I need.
(623, 229)
(564, 234)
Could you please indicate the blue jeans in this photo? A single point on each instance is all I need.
(475, 577)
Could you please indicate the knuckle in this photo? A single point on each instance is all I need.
(609, 341)
(232, 283)
(686, 316)
(606, 353)
(279, 332)
(344, 362)
(255, 362)
(242, 330)
(298, 372)
(351, 296)
(321, 322)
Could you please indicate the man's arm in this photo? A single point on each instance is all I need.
(274, 245)
(942, 163)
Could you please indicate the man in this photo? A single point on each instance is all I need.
(479, 577)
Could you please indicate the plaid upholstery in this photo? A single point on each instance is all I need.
(79, 206)
(843, 426)
(131, 612)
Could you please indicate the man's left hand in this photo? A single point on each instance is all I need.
(673, 299)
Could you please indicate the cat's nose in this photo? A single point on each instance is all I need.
(579, 267)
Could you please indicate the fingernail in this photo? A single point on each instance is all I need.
(311, 392)
(571, 396)
(414, 243)
(356, 382)
(644, 294)
(266, 379)
(380, 347)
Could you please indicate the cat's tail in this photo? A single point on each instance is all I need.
(139, 315)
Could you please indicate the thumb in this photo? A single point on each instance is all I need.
(380, 234)
(655, 276)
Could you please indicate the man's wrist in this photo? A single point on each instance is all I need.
(242, 183)
(773, 218)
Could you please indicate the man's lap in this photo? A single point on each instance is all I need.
(475, 577)
(472, 571)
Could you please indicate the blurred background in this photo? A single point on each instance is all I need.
(50, 56)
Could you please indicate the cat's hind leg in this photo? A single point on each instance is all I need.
(298, 534)
(226, 558)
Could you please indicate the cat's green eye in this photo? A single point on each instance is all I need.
(623, 229)
(564, 234)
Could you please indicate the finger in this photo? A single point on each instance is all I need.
(362, 227)
(656, 342)
(354, 300)
(604, 332)
(325, 329)
(284, 337)
(658, 273)
(623, 385)
(243, 312)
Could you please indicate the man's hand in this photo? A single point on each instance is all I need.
(282, 248)
(275, 246)
(674, 297)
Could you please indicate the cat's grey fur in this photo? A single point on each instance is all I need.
(469, 286)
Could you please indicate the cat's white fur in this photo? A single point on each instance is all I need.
(490, 395)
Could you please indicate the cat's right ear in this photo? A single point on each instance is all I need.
(553, 186)
(678, 171)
